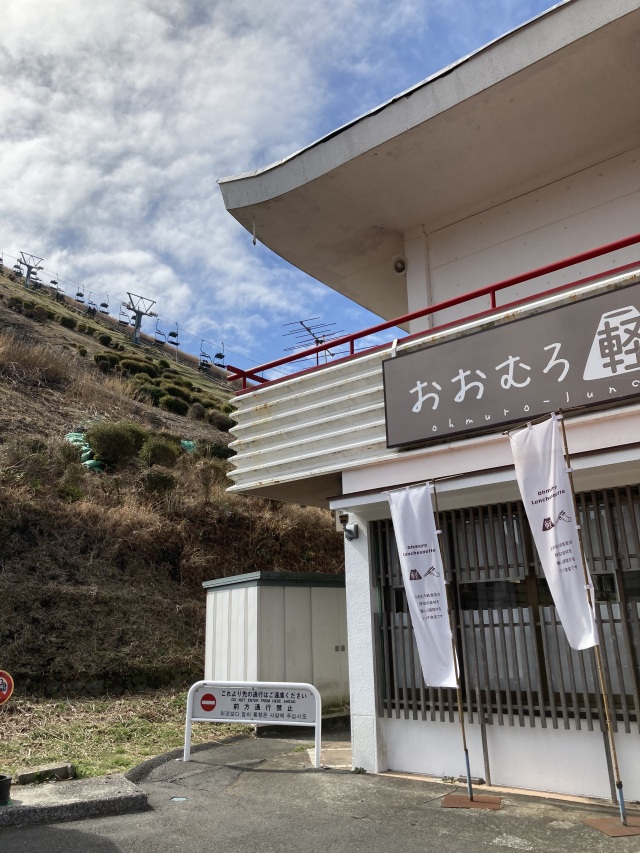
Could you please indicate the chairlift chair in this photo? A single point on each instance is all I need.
(218, 358)
(80, 296)
(104, 307)
(161, 338)
(123, 317)
(173, 338)
(205, 358)
(91, 303)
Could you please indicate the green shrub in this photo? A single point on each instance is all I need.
(215, 450)
(150, 393)
(228, 408)
(68, 322)
(82, 351)
(164, 363)
(91, 330)
(157, 482)
(138, 433)
(103, 362)
(174, 404)
(105, 340)
(15, 302)
(158, 450)
(28, 305)
(82, 327)
(177, 391)
(40, 313)
(134, 367)
(113, 443)
(184, 383)
(219, 420)
(197, 412)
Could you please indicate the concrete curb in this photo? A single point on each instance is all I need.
(72, 800)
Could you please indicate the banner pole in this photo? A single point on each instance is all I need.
(455, 660)
(599, 667)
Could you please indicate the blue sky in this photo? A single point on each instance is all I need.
(117, 117)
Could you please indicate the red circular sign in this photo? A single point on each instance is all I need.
(208, 702)
(6, 686)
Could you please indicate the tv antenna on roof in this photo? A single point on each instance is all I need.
(311, 334)
(141, 307)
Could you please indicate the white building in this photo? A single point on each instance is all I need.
(518, 156)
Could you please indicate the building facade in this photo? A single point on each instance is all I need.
(522, 157)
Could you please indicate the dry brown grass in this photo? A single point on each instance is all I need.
(32, 363)
(101, 580)
(103, 395)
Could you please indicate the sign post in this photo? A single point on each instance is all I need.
(6, 686)
(260, 702)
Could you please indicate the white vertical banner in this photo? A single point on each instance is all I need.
(541, 471)
(423, 576)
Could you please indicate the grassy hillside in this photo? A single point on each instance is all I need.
(101, 573)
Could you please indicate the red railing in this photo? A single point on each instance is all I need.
(490, 290)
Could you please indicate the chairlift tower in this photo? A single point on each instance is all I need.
(31, 263)
(141, 307)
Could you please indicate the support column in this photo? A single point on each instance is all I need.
(419, 295)
(366, 738)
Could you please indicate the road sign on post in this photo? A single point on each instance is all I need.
(6, 686)
(280, 704)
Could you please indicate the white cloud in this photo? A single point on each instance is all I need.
(118, 116)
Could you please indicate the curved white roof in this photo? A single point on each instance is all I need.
(557, 95)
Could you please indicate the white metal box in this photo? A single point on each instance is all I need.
(279, 626)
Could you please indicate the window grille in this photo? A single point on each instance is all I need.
(516, 665)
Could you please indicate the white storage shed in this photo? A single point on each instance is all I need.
(279, 626)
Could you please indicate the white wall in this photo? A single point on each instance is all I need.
(231, 637)
(554, 760)
(593, 207)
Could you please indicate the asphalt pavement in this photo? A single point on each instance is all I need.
(261, 795)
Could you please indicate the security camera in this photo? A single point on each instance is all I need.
(399, 265)
(350, 530)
